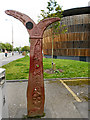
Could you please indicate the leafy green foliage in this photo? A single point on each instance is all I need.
(17, 49)
(25, 48)
(53, 10)
(6, 46)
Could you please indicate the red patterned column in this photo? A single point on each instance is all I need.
(35, 90)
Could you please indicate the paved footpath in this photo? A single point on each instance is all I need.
(59, 103)
(6, 60)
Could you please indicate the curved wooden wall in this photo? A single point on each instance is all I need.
(75, 42)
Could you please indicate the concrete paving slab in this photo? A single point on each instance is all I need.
(16, 96)
(82, 108)
(58, 101)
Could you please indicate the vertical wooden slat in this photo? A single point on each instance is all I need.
(73, 42)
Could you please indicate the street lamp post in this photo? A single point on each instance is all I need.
(12, 40)
(12, 34)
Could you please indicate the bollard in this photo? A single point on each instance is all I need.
(35, 90)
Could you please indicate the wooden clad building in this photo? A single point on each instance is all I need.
(75, 43)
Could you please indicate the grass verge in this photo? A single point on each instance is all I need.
(19, 69)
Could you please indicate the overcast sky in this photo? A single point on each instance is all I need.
(32, 9)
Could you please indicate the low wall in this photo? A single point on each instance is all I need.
(3, 97)
(78, 58)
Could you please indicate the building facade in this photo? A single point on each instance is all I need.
(73, 44)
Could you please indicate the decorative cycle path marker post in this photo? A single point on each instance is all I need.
(35, 90)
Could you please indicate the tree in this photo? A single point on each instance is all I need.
(8, 46)
(25, 48)
(16, 49)
(53, 10)
(2, 46)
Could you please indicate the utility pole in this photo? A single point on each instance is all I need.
(12, 40)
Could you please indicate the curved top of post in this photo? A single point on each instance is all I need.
(34, 30)
(20, 16)
(43, 24)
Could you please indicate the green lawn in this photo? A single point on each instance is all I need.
(19, 69)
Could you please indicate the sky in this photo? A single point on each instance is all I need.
(31, 8)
